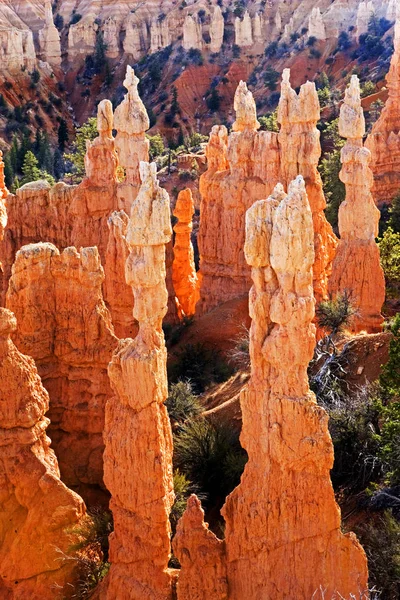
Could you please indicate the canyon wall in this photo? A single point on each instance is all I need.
(139, 475)
(356, 268)
(64, 325)
(38, 512)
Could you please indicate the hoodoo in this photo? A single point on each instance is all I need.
(37, 512)
(184, 274)
(357, 267)
(138, 438)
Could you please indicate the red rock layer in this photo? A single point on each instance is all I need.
(357, 267)
(283, 537)
(37, 511)
(241, 169)
(138, 439)
(299, 140)
(184, 274)
(65, 326)
(244, 168)
(384, 139)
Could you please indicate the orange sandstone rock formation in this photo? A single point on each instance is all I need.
(138, 439)
(37, 510)
(299, 140)
(357, 267)
(241, 169)
(384, 139)
(131, 122)
(283, 537)
(184, 274)
(64, 325)
(202, 557)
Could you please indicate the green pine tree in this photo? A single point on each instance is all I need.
(30, 168)
(63, 135)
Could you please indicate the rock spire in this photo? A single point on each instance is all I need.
(131, 122)
(356, 267)
(316, 25)
(101, 159)
(384, 139)
(139, 476)
(192, 33)
(37, 511)
(49, 38)
(217, 28)
(243, 31)
(184, 274)
(300, 151)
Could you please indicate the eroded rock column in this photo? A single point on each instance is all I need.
(283, 537)
(49, 38)
(184, 274)
(37, 511)
(138, 439)
(131, 122)
(384, 139)
(300, 150)
(357, 268)
(65, 326)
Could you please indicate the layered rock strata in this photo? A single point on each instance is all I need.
(139, 476)
(242, 168)
(64, 325)
(282, 535)
(300, 149)
(49, 38)
(356, 268)
(384, 139)
(131, 122)
(184, 274)
(37, 511)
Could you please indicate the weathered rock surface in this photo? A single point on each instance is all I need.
(299, 141)
(356, 267)
(3, 196)
(192, 33)
(49, 38)
(202, 557)
(241, 169)
(139, 475)
(384, 139)
(64, 325)
(217, 28)
(37, 510)
(184, 274)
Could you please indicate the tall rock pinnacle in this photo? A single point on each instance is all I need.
(356, 267)
(38, 512)
(299, 141)
(131, 122)
(101, 159)
(184, 274)
(138, 455)
(49, 38)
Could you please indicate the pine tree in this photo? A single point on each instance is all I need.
(8, 171)
(13, 154)
(58, 165)
(88, 131)
(30, 168)
(394, 211)
(63, 136)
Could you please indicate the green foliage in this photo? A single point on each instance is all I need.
(394, 212)
(390, 374)
(389, 246)
(31, 171)
(271, 78)
(336, 313)
(181, 403)
(76, 17)
(35, 76)
(344, 42)
(269, 122)
(63, 135)
(200, 365)
(183, 488)
(380, 538)
(390, 441)
(209, 454)
(367, 89)
(330, 166)
(157, 147)
(88, 131)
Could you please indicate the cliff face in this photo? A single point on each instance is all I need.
(64, 325)
(384, 139)
(282, 531)
(242, 169)
(357, 268)
(139, 475)
(37, 510)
